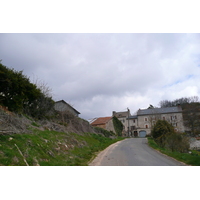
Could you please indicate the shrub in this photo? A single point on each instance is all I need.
(161, 129)
(19, 95)
(177, 142)
(165, 136)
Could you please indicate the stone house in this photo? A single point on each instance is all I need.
(63, 106)
(105, 123)
(142, 123)
(147, 118)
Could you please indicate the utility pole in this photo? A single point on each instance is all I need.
(128, 121)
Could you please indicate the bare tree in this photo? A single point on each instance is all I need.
(45, 89)
(191, 116)
(181, 101)
(153, 118)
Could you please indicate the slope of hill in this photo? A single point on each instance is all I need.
(24, 141)
(34, 133)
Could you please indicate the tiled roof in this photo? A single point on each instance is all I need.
(101, 120)
(159, 111)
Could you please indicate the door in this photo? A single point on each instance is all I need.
(142, 134)
(135, 133)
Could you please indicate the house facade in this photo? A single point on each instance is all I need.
(142, 123)
(63, 106)
(105, 123)
(122, 116)
(147, 118)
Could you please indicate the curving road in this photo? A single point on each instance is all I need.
(133, 152)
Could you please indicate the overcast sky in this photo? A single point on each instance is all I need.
(101, 73)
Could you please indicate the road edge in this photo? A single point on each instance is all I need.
(184, 164)
(97, 159)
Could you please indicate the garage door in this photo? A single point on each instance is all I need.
(142, 133)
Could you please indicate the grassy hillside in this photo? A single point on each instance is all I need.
(32, 132)
(53, 148)
(62, 140)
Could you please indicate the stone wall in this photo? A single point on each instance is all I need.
(62, 107)
(110, 126)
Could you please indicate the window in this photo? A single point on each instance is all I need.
(173, 117)
(132, 127)
(163, 118)
(133, 120)
(145, 119)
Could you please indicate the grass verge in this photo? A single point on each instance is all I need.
(192, 158)
(51, 148)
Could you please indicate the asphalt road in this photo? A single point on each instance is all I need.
(133, 152)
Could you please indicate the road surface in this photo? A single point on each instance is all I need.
(133, 152)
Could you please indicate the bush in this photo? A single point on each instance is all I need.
(177, 142)
(19, 95)
(161, 129)
(165, 136)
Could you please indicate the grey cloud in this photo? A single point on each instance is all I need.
(101, 72)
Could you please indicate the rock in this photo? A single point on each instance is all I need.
(15, 159)
(57, 149)
(195, 145)
(35, 162)
(50, 153)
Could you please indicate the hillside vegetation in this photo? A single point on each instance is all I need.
(19, 95)
(33, 133)
(51, 148)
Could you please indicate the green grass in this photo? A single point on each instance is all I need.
(95, 143)
(35, 124)
(189, 159)
(51, 148)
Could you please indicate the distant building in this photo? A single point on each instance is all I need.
(104, 122)
(142, 123)
(148, 117)
(63, 106)
(122, 116)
